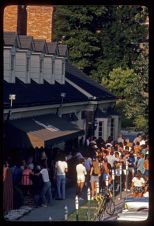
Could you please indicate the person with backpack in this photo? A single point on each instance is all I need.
(94, 174)
(87, 164)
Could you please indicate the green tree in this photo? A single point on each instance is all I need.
(132, 102)
(141, 68)
(113, 55)
(98, 53)
(78, 25)
(122, 31)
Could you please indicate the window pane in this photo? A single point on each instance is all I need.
(100, 123)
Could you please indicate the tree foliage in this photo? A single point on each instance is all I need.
(104, 42)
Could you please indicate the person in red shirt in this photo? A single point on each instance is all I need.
(26, 182)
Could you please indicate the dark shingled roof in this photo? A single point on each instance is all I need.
(88, 84)
(34, 94)
(11, 39)
(40, 46)
(52, 47)
(26, 42)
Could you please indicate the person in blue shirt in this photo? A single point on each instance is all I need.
(140, 164)
(18, 198)
(88, 165)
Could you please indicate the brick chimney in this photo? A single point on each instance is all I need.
(39, 22)
(10, 18)
(34, 21)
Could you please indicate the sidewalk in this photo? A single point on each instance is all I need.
(56, 210)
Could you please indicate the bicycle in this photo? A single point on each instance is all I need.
(105, 204)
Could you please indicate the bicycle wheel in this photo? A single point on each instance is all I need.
(110, 207)
(101, 211)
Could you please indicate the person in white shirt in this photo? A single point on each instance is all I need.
(46, 189)
(81, 173)
(138, 184)
(61, 168)
(111, 158)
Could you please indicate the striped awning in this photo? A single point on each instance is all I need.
(41, 131)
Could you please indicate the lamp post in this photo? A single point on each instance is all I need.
(107, 181)
(120, 181)
(63, 95)
(66, 213)
(113, 179)
(11, 98)
(88, 197)
(77, 207)
(126, 177)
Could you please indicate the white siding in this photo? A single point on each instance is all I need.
(7, 65)
(35, 67)
(109, 127)
(116, 126)
(59, 71)
(20, 68)
(9, 75)
(48, 69)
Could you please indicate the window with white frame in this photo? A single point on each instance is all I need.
(100, 128)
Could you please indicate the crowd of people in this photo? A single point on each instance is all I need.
(87, 169)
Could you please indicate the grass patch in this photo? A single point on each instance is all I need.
(83, 211)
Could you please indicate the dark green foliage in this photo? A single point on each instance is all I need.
(104, 41)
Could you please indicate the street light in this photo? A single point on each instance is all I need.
(88, 197)
(62, 95)
(11, 98)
